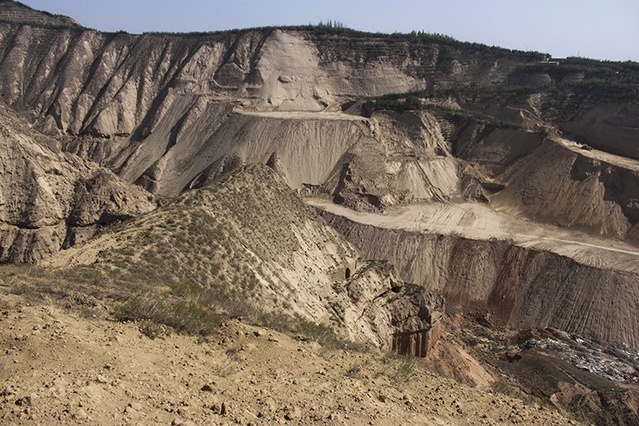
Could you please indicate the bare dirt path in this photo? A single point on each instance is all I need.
(478, 221)
(595, 154)
(302, 115)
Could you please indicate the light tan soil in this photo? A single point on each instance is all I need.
(480, 221)
(57, 367)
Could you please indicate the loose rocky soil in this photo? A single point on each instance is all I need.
(59, 367)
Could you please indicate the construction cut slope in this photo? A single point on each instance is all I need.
(565, 184)
(169, 112)
(520, 280)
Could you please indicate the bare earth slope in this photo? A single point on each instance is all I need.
(517, 286)
(61, 368)
(571, 187)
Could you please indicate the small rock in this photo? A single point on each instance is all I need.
(80, 414)
(292, 413)
(223, 409)
(24, 401)
(249, 347)
(101, 379)
(206, 388)
(7, 391)
(335, 417)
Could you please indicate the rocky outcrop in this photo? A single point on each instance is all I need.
(417, 320)
(51, 199)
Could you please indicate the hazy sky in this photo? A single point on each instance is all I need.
(601, 29)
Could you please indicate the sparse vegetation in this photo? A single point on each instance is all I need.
(418, 101)
(182, 316)
(320, 333)
(355, 372)
(504, 388)
(399, 368)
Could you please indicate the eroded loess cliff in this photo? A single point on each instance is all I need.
(133, 100)
(169, 111)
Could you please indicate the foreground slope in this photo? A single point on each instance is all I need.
(61, 368)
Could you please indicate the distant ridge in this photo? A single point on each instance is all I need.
(17, 13)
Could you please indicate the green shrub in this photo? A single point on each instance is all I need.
(399, 368)
(181, 315)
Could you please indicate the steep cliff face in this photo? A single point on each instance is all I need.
(517, 287)
(158, 109)
(609, 127)
(88, 83)
(80, 81)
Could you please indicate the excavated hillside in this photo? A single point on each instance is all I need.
(518, 287)
(168, 169)
(168, 111)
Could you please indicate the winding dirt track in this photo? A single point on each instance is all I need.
(302, 115)
(478, 221)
